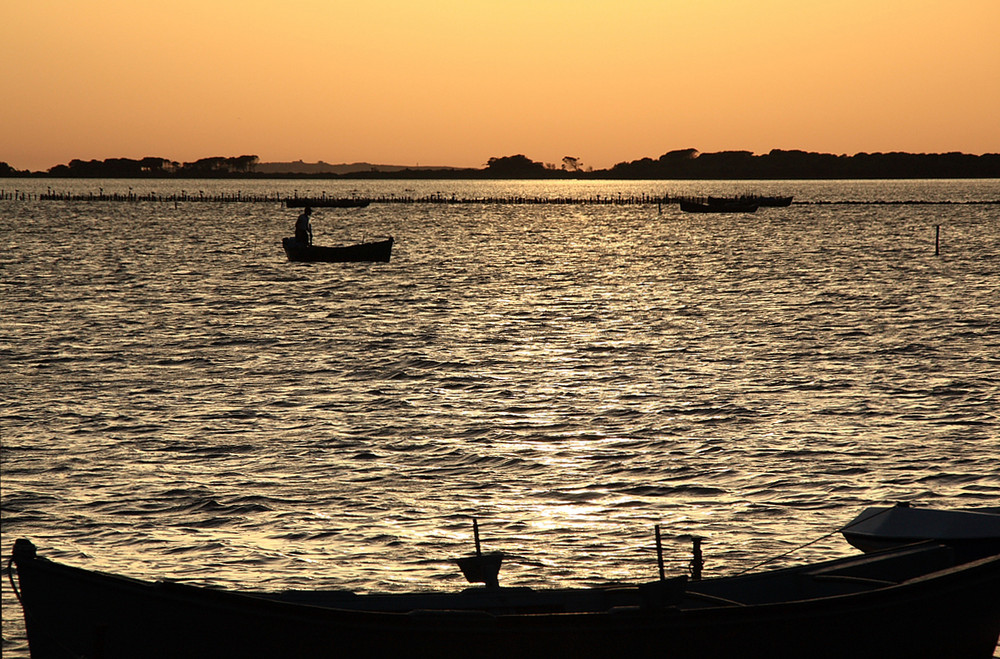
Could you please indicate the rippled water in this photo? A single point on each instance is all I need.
(179, 400)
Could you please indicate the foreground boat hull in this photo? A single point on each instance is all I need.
(379, 251)
(954, 612)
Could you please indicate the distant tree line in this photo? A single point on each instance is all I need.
(689, 164)
(149, 167)
(778, 164)
(680, 164)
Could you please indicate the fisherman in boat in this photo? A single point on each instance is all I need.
(303, 228)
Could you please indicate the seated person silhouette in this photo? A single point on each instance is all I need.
(303, 228)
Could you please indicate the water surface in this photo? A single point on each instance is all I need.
(180, 401)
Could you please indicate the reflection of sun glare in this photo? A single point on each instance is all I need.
(562, 516)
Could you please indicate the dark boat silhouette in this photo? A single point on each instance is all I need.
(918, 601)
(718, 206)
(773, 202)
(377, 251)
(762, 201)
(327, 202)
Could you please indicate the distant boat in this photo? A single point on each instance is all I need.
(911, 602)
(379, 251)
(719, 206)
(760, 200)
(327, 202)
(773, 202)
(974, 531)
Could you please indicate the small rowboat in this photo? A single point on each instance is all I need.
(760, 200)
(917, 601)
(379, 251)
(327, 202)
(773, 202)
(720, 206)
(974, 532)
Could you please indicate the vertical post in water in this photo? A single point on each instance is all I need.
(659, 553)
(937, 240)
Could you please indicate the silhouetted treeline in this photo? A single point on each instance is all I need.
(778, 164)
(150, 167)
(680, 164)
(7, 170)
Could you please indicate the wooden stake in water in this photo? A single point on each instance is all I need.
(697, 562)
(659, 553)
(937, 240)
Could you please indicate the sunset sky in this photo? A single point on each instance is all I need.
(455, 82)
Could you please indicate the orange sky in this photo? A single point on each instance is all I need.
(455, 82)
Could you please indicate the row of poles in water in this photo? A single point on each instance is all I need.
(434, 198)
(277, 197)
